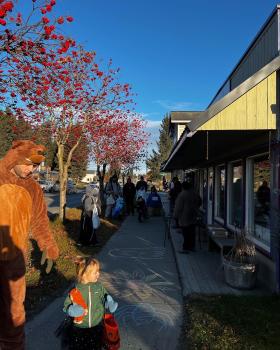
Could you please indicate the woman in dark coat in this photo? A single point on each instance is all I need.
(186, 212)
(129, 192)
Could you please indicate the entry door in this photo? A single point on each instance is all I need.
(210, 196)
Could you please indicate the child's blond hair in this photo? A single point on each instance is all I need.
(84, 268)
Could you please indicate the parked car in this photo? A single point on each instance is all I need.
(55, 187)
(46, 185)
(71, 187)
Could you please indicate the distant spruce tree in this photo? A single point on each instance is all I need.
(12, 128)
(164, 146)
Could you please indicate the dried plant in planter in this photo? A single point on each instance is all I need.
(244, 251)
(240, 265)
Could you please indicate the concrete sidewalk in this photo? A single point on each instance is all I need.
(141, 275)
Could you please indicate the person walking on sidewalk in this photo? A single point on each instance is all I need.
(141, 208)
(129, 192)
(186, 212)
(86, 304)
(23, 209)
(112, 191)
(175, 189)
(154, 204)
(90, 215)
(141, 188)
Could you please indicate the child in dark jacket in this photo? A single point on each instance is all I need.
(141, 208)
(86, 304)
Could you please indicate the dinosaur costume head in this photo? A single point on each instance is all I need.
(23, 152)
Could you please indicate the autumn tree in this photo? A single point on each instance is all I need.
(80, 157)
(119, 145)
(49, 82)
(74, 92)
(25, 41)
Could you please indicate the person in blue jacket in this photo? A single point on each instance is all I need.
(154, 203)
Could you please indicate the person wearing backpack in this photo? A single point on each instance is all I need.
(142, 186)
(90, 217)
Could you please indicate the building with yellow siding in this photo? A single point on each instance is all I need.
(232, 150)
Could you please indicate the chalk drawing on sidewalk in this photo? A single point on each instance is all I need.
(138, 253)
(140, 284)
(146, 314)
(150, 251)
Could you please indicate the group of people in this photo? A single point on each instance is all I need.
(23, 209)
(117, 202)
(184, 206)
(134, 196)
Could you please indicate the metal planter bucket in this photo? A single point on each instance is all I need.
(240, 275)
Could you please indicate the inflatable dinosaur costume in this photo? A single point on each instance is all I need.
(22, 209)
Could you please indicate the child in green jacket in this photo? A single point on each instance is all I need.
(86, 304)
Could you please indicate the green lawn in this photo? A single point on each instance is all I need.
(231, 322)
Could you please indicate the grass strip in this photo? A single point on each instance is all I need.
(231, 322)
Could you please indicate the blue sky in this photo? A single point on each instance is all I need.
(175, 54)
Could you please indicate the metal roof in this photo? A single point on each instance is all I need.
(247, 51)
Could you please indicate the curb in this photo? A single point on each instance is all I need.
(178, 260)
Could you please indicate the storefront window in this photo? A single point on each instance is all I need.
(204, 196)
(235, 194)
(260, 199)
(220, 192)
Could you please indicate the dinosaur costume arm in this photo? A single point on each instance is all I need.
(40, 225)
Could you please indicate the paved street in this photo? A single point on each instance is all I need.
(52, 200)
(141, 275)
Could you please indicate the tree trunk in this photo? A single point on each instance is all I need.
(62, 182)
(63, 176)
(101, 175)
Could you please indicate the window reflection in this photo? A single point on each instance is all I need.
(204, 200)
(261, 198)
(235, 217)
(220, 211)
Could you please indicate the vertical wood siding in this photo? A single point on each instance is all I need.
(251, 111)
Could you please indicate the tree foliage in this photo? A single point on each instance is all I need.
(164, 146)
(58, 87)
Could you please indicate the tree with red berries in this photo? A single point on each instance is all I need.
(48, 81)
(70, 91)
(119, 145)
(26, 41)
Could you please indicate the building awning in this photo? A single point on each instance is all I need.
(183, 117)
(249, 108)
(205, 147)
